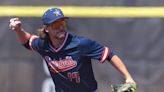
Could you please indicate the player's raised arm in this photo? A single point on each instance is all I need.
(16, 25)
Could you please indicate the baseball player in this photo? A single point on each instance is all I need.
(67, 55)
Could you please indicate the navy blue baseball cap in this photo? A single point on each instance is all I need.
(52, 15)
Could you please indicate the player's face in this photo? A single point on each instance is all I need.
(57, 29)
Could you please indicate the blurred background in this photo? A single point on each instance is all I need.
(138, 41)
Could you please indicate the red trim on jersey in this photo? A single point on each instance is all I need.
(105, 54)
(32, 37)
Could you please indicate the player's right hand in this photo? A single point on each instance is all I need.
(15, 24)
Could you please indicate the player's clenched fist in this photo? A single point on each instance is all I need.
(15, 24)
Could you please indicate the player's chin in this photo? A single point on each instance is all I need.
(61, 35)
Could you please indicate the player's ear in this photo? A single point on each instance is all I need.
(46, 29)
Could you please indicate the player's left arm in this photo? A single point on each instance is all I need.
(129, 85)
(94, 50)
(120, 66)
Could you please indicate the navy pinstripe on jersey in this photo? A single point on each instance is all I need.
(70, 65)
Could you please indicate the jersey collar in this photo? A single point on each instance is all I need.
(58, 49)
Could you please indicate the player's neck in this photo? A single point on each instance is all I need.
(56, 43)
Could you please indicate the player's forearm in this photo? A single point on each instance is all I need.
(118, 64)
(16, 25)
(23, 36)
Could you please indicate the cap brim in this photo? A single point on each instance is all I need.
(65, 18)
(57, 20)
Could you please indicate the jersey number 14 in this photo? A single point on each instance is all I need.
(74, 76)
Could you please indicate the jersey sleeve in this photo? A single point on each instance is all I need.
(35, 43)
(94, 50)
